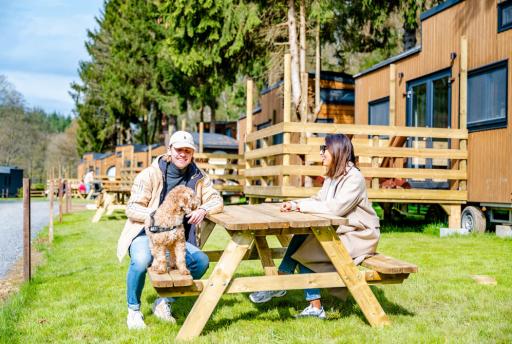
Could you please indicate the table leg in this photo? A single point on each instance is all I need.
(217, 284)
(107, 200)
(265, 256)
(284, 239)
(354, 280)
(206, 229)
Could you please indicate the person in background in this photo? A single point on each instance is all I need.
(88, 180)
(81, 188)
(149, 189)
(343, 194)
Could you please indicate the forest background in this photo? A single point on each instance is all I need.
(151, 61)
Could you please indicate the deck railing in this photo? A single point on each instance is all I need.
(281, 170)
(223, 169)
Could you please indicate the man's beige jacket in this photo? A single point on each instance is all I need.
(145, 197)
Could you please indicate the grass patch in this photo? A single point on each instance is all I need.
(78, 295)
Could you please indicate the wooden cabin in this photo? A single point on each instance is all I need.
(336, 96)
(117, 170)
(227, 128)
(102, 164)
(11, 180)
(459, 77)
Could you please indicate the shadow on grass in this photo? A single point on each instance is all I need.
(350, 307)
(294, 299)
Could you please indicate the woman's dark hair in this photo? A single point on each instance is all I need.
(342, 151)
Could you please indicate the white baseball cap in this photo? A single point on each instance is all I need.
(182, 139)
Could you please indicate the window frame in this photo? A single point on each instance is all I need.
(490, 123)
(375, 102)
(501, 6)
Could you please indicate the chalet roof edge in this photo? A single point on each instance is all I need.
(389, 61)
(439, 8)
(324, 75)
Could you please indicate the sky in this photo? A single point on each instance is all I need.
(41, 45)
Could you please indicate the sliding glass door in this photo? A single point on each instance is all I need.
(428, 106)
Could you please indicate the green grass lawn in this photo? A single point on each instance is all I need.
(78, 295)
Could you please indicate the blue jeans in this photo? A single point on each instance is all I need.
(288, 265)
(141, 258)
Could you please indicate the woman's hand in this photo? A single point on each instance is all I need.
(197, 216)
(286, 206)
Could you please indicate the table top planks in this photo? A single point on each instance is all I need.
(268, 216)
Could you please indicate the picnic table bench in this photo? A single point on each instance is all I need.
(248, 227)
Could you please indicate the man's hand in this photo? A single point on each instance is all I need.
(196, 217)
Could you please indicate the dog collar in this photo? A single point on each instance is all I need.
(158, 229)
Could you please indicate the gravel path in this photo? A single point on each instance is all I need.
(11, 231)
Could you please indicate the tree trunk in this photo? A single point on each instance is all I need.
(303, 73)
(318, 70)
(201, 113)
(212, 120)
(292, 39)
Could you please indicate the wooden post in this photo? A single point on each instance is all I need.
(317, 68)
(27, 259)
(60, 200)
(248, 125)
(287, 112)
(150, 153)
(375, 162)
(463, 102)
(132, 162)
(122, 170)
(68, 197)
(201, 136)
(454, 215)
(51, 195)
(392, 94)
(308, 181)
(65, 195)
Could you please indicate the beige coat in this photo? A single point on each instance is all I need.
(347, 197)
(145, 197)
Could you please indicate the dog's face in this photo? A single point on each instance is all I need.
(187, 200)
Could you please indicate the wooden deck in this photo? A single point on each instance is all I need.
(283, 161)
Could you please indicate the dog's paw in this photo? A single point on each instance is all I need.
(158, 269)
(184, 272)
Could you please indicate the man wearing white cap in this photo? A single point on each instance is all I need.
(149, 189)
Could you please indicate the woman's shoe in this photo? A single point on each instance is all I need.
(311, 311)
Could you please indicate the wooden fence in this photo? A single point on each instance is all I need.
(223, 169)
(379, 160)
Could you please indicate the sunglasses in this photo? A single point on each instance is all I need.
(323, 148)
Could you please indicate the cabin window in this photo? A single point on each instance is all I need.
(487, 97)
(324, 120)
(139, 163)
(378, 112)
(504, 15)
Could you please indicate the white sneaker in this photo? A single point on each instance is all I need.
(162, 310)
(135, 320)
(265, 296)
(311, 311)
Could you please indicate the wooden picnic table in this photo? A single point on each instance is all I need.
(248, 226)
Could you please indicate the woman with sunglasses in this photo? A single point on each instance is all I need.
(343, 194)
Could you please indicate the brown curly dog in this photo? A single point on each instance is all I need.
(166, 232)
